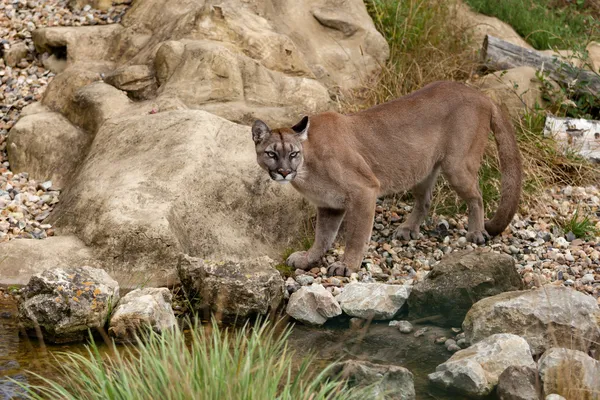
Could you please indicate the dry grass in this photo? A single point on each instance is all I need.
(428, 44)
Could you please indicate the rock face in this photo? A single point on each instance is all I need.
(313, 305)
(570, 373)
(475, 371)
(141, 309)
(546, 317)
(377, 301)
(389, 381)
(519, 383)
(460, 280)
(157, 175)
(64, 303)
(232, 289)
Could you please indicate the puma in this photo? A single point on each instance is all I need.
(342, 163)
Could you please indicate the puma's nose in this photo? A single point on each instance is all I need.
(284, 172)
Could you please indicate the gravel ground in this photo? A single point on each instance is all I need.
(25, 203)
(543, 252)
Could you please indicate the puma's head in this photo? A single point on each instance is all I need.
(279, 151)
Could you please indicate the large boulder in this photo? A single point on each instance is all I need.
(570, 373)
(51, 156)
(140, 310)
(178, 181)
(460, 280)
(62, 304)
(313, 305)
(546, 317)
(377, 301)
(232, 289)
(388, 382)
(475, 371)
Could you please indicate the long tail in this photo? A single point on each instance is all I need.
(511, 169)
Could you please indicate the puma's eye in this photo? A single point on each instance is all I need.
(271, 154)
(294, 154)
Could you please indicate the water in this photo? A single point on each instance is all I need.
(380, 344)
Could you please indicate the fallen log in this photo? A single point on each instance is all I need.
(500, 55)
(577, 135)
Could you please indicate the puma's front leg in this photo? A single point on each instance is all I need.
(328, 224)
(359, 224)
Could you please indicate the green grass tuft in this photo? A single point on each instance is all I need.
(580, 226)
(208, 363)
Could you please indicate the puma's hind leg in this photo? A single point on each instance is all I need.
(463, 179)
(422, 193)
(328, 224)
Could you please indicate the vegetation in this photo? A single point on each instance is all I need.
(580, 226)
(203, 363)
(545, 24)
(427, 44)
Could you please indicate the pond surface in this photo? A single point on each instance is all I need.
(378, 343)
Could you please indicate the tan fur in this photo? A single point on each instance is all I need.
(347, 161)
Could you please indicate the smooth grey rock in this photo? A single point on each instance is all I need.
(305, 280)
(405, 327)
(313, 305)
(65, 302)
(519, 383)
(389, 381)
(545, 317)
(570, 373)
(475, 371)
(376, 301)
(555, 397)
(233, 289)
(140, 309)
(460, 280)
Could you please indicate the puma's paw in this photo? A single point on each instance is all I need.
(405, 233)
(478, 237)
(298, 260)
(338, 268)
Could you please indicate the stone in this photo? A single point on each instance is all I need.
(518, 89)
(519, 383)
(388, 381)
(47, 146)
(15, 53)
(230, 288)
(305, 280)
(313, 305)
(137, 80)
(555, 397)
(460, 280)
(475, 371)
(545, 317)
(405, 327)
(377, 301)
(61, 304)
(178, 193)
(142, 309)
(23, 258)
(570, 373)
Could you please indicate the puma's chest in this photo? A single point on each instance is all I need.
(321, 195)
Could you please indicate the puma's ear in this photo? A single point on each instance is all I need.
(260, 131)
(301, 129)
